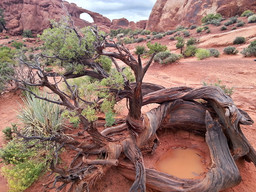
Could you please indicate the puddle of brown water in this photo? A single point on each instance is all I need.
(182, 163)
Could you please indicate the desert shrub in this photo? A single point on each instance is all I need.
(180, 28)
(202, 54)
(192, 27)
(223, 28)
(239, 40)
(233, 28)
(24, 165)
(180, 43)
(140, 50)
(145, 32)
(227, 90)
(6, 66)
(199, 29)
(154, 33)
(250, 51)
(231, 21)
(159, 57)
(240, 24)
(139, 40)
(127, 40)
(214, 52)
(105, 62)
(177, 34)
(171, 59)
(2, 20)
(230, 50)
(172, 38)
(215, 22)
(170, 32)
(9, 131)
(211, 17)
(186, 33)
(252, 19)
(247, 13)
(208, 31)
(191, 41)
(155, 48)
(190, 51)
(27, 33)
(158, 36)
(206, 27)
(40, 117)
(17, 45)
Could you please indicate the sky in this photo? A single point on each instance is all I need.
(133, 10)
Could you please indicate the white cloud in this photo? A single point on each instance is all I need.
(133, 10)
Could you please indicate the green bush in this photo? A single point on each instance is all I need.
(202, 54)
(158, 36)
(252, 19)
(159, 57)
(9, 131)
(233, 28)
(199, 29)
(247, 13)
(170, 32)
(240, 24)
(128, 40)
(211, 17)
(190, 51)
(40, 117)
(250, 51)
(231, 21)
(17, 45)
(223, 28)
(140, 50)
(171, 59)
(214, 52)
(193, 27)
(180, 28)
(239, 40)
(208, 31)
(27, 33)
(172, 38)
(215, 22)
(155, 48)
(191, 41)
(145, 32)
(180, 43)
(105, 62)
(186, 33)
(230, 50)
(139, 40)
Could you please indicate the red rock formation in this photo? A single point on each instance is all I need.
(168, 14)
(141, 24)
(35, 15)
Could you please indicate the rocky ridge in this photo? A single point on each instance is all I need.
(168, 14)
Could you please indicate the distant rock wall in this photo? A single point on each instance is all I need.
(168, 14)
(35, 15)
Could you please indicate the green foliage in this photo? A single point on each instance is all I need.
(24, 165)
(214, 52)
(158, 36)
(27, 33)
(2, 20)
(171, 59)
(227, 90)
(192, 27)
(40, 117)
(172, 38)
(128, 40)
(210, 17)
(170, 32)
(105, 62)
(239, 40)
(199, 29)
(17, 45)
(230, 50)
(140, 50)
(139, 40)
(180, 43)
(202, 54)
(166, 57)
(252, 19)
(240, 24)
(6, 66)
(8, 132)
(186, 33)
(223, 28)
(190, 51)
(247, 13)
(191, 41)
(180, 28)
(208, 31)
(231, 21)
(145, 32)
(156, 48)
(250, 51)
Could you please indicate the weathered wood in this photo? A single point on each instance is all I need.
(223, 173)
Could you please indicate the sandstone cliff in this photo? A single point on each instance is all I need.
(168, 14)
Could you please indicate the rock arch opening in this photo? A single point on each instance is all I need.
(86, 17)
